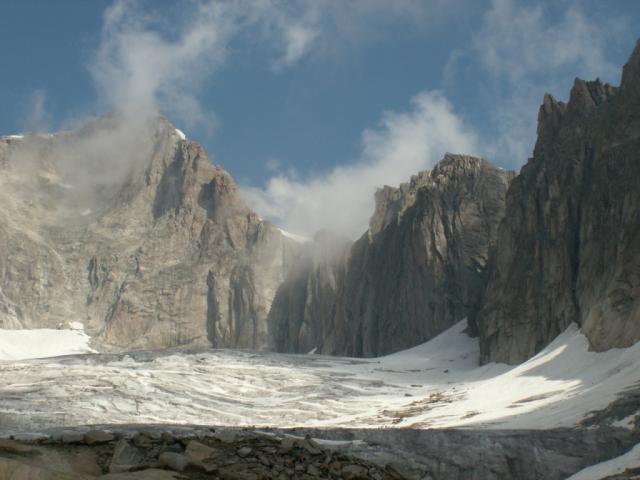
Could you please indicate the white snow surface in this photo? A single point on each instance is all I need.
(293, 236)
(181, 134)
(615, 466)
(437, 384)
(44, 342)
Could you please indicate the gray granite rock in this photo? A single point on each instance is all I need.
(417, 270)
(133, 232)
(125, 457)
(568, 249)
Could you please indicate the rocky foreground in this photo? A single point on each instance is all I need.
(164, 452)
(153, 455)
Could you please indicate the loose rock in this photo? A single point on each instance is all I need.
(174, 461)
(98, 436)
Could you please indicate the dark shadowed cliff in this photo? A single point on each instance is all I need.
(568, 249)
(417, 270)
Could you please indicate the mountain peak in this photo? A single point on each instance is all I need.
(550, 114)
(585, 95)
(391, 202)
(631, 69)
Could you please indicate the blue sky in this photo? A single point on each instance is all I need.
(313, 104)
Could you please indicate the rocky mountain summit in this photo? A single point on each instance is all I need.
(568, 249)
(127, 227)
(417, 270)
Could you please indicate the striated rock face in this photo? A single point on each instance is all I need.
(129, 229)
(568, 249)
(416, 271)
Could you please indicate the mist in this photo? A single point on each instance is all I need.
(342, 199)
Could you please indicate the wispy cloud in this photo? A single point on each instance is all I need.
(141, 66)
(517, 41)
(524, 51)
(142, 63)
(327, 27)
(342, 199)
(37, 118)
(138, 68)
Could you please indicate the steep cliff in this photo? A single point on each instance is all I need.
(125, 226)
(416, 271)
(568, 249)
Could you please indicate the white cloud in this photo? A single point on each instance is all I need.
(517, 41)
(145, 62)
(333, 27)
(525, 51)
(342, 199)
(137, 68)
(297, 39)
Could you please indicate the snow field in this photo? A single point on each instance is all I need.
(435, 385)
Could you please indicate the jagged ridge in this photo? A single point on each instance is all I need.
(568, 249)
(415, 272)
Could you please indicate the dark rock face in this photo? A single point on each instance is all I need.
(568, 249)
(416, 271)
(155, 250)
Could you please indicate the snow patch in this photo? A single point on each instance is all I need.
(618, 465)
(41, 343)
(627, 422)
(557, 387)
(181, 134)
(293, 236)
(76, 326)
(85, 212)
(15, 137)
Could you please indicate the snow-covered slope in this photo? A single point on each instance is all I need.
(437, 384)
(44, 342)
(630, 460)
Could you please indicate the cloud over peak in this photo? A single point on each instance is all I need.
(342, 199)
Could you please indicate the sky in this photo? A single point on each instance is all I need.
(312, 104)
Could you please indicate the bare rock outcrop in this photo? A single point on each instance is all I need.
(416, 271)
(568, 249)
(128, 228)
